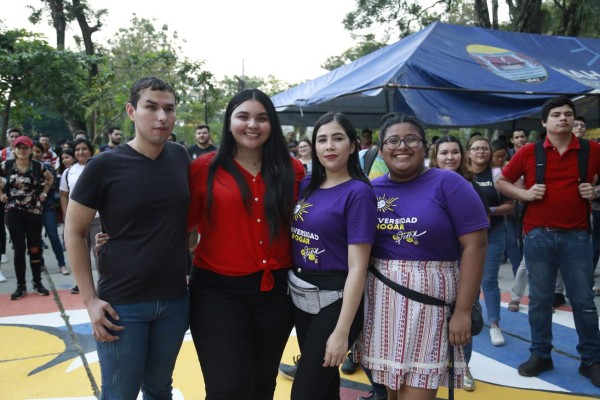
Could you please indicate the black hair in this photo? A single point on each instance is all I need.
(149, 82)
(276, 169)
(390, 119)
(38, 145)
(11, 130)
(555, 102)
(202, 127)
(580, 118)
(318, 170)
(61, 166)
(89, 144)
(112, 129)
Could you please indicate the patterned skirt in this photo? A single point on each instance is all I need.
(405, 342)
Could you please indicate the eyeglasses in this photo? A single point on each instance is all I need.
(477, 149)
(395, 142)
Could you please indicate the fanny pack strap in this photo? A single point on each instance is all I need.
(425, 299)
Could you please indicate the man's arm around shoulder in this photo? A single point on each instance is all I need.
(78, 220)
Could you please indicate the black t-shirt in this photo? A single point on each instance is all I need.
(143, 207)
(194, 151)
(494, 198)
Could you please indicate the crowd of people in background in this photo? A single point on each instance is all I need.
(373, 220)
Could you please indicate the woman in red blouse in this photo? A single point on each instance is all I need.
(242, 201)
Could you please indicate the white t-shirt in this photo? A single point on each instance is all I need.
(71, 175)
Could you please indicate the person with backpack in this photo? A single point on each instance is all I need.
(557, 233)
(27, 183)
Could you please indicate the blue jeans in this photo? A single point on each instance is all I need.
(145, 354)
(571, 251)
(596, 237)
(489, 283)
(49, 220)
(513, 249)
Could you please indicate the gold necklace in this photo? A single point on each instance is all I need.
(254, 164)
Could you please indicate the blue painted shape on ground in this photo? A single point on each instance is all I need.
(515, 351)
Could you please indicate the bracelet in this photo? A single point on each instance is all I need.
(492, 209)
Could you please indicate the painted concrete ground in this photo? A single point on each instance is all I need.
(47, 352)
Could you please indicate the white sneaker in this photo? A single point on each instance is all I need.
(496, 336)
(2, 277)
(3, 259)
(468, 381)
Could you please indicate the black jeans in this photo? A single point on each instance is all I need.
(25, 230)
(313, 381)
(239, 332)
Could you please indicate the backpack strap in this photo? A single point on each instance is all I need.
(583, 156)
(540, 162)
(370, 157)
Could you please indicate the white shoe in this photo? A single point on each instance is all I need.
(496, 336)
(2, 277)
(468, 381)
(3, 259)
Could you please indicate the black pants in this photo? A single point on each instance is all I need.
(2, 230)
(25, 230)
(239, 333)
(313, 381)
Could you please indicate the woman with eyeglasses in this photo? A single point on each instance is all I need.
(428, 220)
(480, 164)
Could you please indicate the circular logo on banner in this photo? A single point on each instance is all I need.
(508, 64)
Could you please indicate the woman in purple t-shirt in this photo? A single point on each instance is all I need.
(428, 219)
(333, 229)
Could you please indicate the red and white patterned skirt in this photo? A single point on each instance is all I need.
(405, 342)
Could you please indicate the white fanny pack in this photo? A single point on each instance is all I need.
(307, 297)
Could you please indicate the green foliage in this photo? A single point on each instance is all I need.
(367, 44)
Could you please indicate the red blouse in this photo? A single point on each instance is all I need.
(235, 242)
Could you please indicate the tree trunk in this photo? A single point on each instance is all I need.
(59, 20)
(86, 33)
(495, 14)
(482, 14)
(529, 16)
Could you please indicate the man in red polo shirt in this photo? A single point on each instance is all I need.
(557, 236)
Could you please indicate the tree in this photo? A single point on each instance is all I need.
(367, 44)
(137, 51)
(33, 73)
(399, 18)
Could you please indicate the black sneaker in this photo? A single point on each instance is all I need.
(349, 366)
(535, 366)
(559, 300)
(591, 371)
(75, 289)
(40, 289)
(19, 293)
(289, 371)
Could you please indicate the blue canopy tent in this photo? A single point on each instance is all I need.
(448, 75)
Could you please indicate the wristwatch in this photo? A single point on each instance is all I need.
(597, 192)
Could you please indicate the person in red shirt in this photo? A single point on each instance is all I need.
(242, 198)
(557, 237)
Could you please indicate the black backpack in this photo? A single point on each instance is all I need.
(583, 156)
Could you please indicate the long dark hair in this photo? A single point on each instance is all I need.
(318, 170)
(276, 169)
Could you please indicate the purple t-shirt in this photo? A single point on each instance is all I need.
(421, 220)
(328, 221)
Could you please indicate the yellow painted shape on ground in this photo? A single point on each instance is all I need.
(24, 349)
